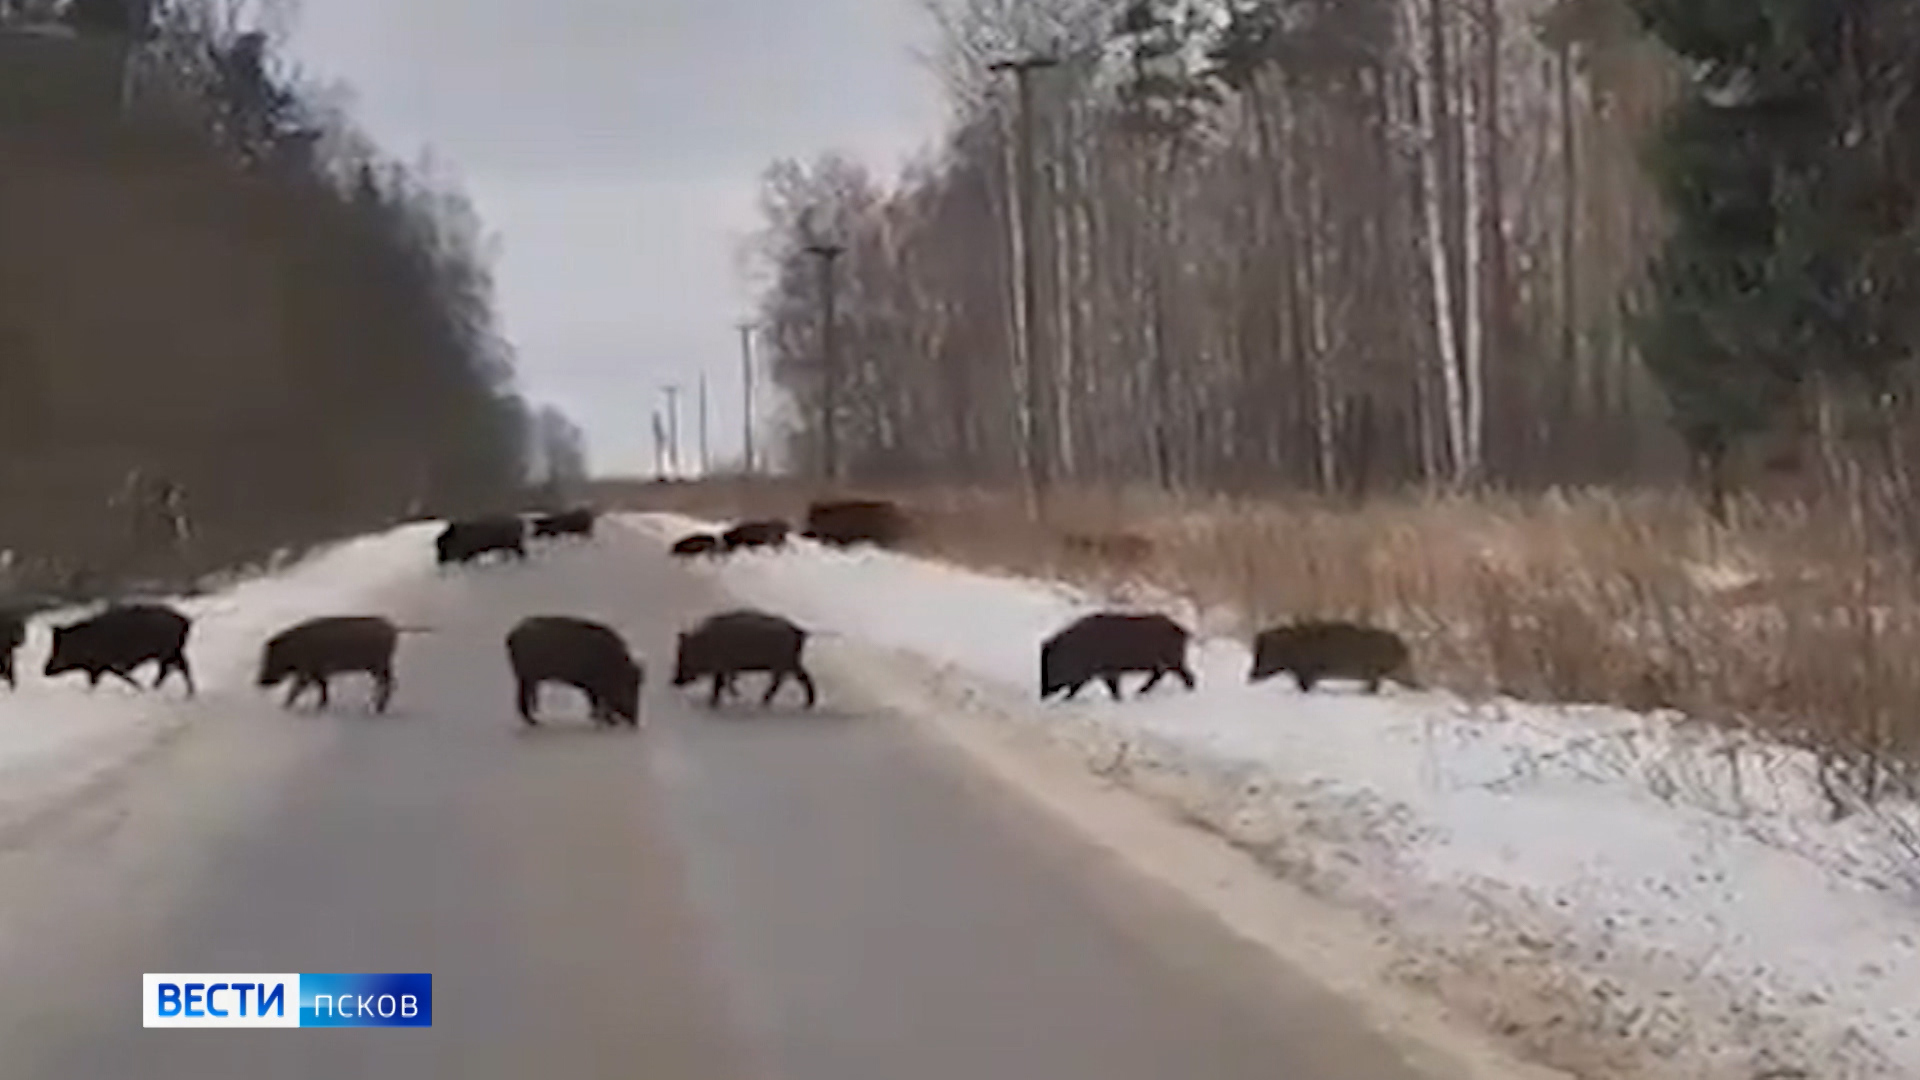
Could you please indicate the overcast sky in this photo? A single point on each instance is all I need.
(614, 148)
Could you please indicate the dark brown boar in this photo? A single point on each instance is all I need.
(753, 534)
(576, 522)
(843, 523)
(13, 631)
(697, 544)
(119, 640)
(313, 652)
(1107, 645)
(465, 541)
(743, 640)
(580, 653)
(1317, 650)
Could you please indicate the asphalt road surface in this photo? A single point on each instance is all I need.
(824, 896)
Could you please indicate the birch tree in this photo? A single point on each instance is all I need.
(1324, 245)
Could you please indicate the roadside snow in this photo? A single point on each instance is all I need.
(56, 736)
(1622, 895)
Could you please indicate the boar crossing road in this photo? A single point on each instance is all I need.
(812, 895)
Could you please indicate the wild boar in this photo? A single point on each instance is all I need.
(13, 631)
(844, 523)
(1318, 650)
(696, 544)
(119, 640)
(732, 642)
(575, 522)
(752, 534)
(1107, 645)
(312, 652)
(465, 541)
(580, 653)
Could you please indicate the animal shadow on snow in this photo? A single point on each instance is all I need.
(563, 712)
(744, 705)
(349, 696)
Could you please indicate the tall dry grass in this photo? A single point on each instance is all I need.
(1786, 622)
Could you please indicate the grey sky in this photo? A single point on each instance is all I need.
(614, 147)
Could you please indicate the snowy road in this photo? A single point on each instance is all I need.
(818, 897)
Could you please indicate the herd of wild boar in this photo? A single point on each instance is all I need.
(841, 523)
(1108, 644)
(594, 659)
(548, 648)
(1104, 645)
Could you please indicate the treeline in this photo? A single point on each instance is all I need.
(227, 324)
(1350, 245)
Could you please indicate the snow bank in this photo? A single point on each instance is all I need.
(1621, 894)
(56, 736)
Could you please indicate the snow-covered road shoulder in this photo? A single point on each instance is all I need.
(1620, 895)
(57, 736)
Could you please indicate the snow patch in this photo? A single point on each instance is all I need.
(1622, 895)
(57, 736)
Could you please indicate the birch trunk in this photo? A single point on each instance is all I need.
(1431, 82)
(1474, 309)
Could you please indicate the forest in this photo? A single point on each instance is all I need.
(1345, 246)
(1573, 338)
(228, 322)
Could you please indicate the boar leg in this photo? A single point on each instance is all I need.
(382, 689)
(806, 683)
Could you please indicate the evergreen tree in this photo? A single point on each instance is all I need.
(1774, 164)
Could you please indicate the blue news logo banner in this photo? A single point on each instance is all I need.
(378, 1000)
(382, 1000)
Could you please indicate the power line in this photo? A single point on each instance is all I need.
(706, 459)
(659, 447)
(673, 426)
(746, 394)
(1039, 385)
(829, 363)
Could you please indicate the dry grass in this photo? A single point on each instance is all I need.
(1784, 623)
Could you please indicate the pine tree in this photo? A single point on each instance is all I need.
(1791, 224)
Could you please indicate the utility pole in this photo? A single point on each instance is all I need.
(706, 460)
(746, 394)
(673, 425)
(829, 363)
(1039, 384)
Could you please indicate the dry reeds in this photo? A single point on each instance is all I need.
(1784, 622)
